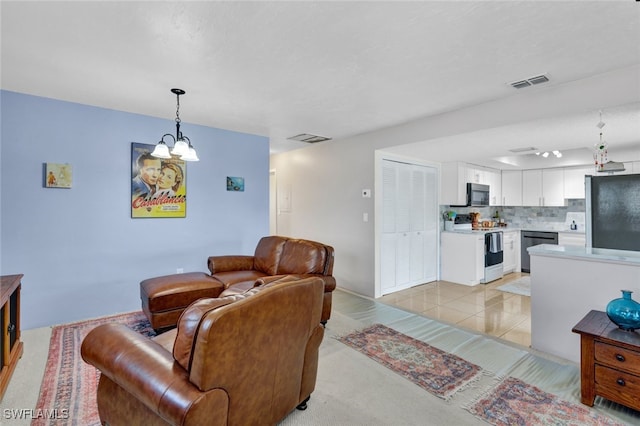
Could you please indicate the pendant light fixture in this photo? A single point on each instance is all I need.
(601, 154)
(181, 144)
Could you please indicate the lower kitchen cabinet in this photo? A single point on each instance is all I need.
(511, 251)
(571, 239)
(462, 257)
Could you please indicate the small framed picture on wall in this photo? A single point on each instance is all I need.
(235, 183)
(57, 175)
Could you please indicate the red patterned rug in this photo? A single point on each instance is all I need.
(514, 402)
(68, 390)
(441, 373)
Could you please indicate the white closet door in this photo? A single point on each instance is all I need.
(409, 226)
(417, 261)
(388, 237)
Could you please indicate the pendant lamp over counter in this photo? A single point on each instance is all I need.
(181, 144)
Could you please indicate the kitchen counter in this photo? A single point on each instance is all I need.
(511, 229)
(569, 281)
(584, 253)
(480, 231)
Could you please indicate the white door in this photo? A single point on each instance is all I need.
(408, 244)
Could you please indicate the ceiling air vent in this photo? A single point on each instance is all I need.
(527, 149)
(542, 78)
(520, 84)
(306, 137)
(538, 79)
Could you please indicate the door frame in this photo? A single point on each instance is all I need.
(378, 210)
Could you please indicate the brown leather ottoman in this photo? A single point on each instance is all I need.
(164, 298)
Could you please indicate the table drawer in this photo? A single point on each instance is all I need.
(618, 386)
(618, 357)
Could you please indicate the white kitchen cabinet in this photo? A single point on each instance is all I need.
(543, 187)
(493, 178)
(512, 187)
(553, 187)
(462, 257)
(455, 176)
(574, 181)
(474, 174)
(511, 251)
(571, 239)
(532, 187)
(453, 184)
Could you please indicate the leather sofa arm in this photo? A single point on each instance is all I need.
(229, 263)
(148, 372)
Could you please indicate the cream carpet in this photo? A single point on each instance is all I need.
(353, 389)
(521, 286)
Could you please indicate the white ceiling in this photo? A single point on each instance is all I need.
(335, 69)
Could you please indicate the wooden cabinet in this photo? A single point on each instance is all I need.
(512, 187)
(609, 361)
(10, 344)
(511, 251)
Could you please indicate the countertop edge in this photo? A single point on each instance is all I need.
(583, 253)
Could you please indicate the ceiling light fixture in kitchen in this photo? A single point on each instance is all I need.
(545, 154)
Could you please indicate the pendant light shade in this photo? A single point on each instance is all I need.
(181, 144)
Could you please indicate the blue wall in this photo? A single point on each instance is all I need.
(81, 253)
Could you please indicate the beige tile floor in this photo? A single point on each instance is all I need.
(481, 308)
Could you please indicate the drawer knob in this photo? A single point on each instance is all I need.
(620, 382)
(620, 357)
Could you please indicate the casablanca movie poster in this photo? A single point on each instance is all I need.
(158, 186)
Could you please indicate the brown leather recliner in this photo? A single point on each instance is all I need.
(242, 359)
(164, 298)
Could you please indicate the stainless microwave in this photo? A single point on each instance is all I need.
(477, 195)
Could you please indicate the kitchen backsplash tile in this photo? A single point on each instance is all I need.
(551, 218)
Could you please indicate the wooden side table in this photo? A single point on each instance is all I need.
(10, 344)
(609, 361)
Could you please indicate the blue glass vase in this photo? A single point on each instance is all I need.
(624, 312)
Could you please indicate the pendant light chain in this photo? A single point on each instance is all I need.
(177, 108)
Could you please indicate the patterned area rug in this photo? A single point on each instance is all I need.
(513, 402)
(521, 286)
(441, 373)
(68, 390)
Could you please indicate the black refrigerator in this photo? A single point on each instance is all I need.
(613, 212)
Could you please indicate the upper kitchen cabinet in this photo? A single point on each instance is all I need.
(543, 187)
(453, 184)
(574, 181)
(512, 187)
(493, 178)
(455, 176)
